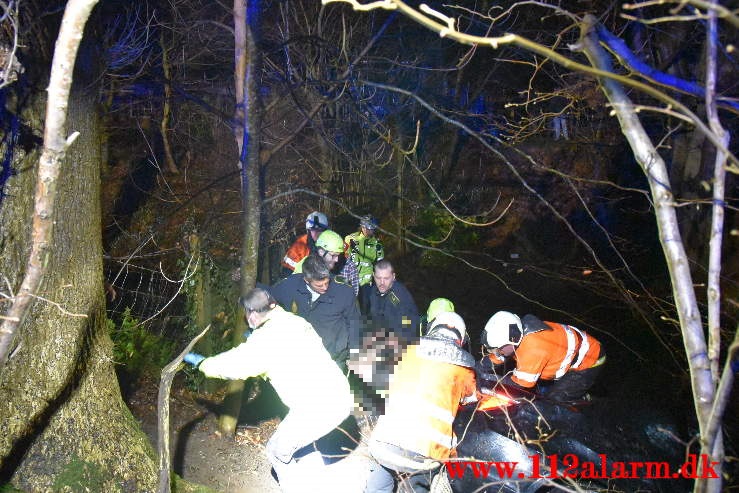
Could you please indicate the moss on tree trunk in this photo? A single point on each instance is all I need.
(64, 425)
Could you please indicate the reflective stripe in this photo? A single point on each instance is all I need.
(432, 434)
(571, 343)
(584, 347)
(528, 377)
(289, 261)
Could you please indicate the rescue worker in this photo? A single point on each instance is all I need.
(327, 304)
(562, 354)
(330, 248)
(315, 224)
(415, 434)
(364, 249)
(388, 303)
(285, 349)
(437, 306)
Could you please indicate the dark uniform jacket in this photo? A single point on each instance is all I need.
(394, 310)
(334, 314)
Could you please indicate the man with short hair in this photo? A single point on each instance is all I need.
(328, 305)
(389, 305)
(286, 350)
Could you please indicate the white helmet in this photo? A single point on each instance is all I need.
(445, 321)
(502, 328)
(316, 220)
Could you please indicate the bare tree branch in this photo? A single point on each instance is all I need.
(168, 373)
(656, 172)
(75, 17)
(447, 29)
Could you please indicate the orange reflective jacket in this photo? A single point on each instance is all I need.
(549, 354)
(297, 252)
(423, 401)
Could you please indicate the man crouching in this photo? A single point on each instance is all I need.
(285, 349)
(415, 435)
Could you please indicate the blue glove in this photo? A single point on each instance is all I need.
(193, 359)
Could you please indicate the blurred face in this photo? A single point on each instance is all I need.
(384, 279)
(319, 287)
(330, 258)
(367, 232)
(315, 233)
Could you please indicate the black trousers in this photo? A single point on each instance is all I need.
(573, 385)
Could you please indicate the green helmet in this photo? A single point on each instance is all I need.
(437, 306)
(330, 241)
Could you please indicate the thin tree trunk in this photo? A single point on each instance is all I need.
(170, 163)
(203, 304)
(712, 438)
(719, 185)
(677, 262)
(248, 112)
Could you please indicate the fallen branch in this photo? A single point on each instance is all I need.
(168, 373)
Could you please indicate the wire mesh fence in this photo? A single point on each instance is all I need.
(150, 296)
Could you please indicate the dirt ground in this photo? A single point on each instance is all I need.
(201, 455)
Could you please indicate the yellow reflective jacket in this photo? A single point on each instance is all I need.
(364, 252)
(425, 394)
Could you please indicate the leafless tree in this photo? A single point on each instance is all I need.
(709, 392)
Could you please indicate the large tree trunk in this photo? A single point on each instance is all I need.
(63, 421)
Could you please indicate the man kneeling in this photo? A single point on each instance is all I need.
(415, 434)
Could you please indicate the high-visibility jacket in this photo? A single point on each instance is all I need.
(422, 402)
(549, 354)
(364, 252)
(297, 252)
(287, 350)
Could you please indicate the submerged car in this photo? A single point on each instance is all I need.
(530, 444)
(605, 444)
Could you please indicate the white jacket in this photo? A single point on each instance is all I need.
(287, 350)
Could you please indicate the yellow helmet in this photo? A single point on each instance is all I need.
(437, 306)
(330, 241)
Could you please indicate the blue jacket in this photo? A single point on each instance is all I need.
(395, 310)
(334, 315)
